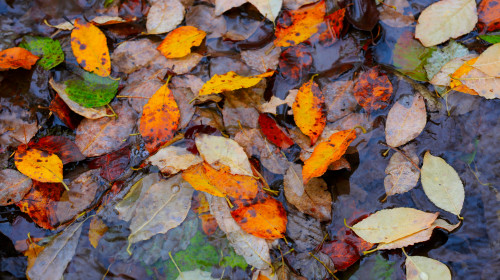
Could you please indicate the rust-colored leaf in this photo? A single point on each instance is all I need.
(113, 164)
(14, 58)
(489, 15)
(90, 48)
(240, 187)
(326, 153)
(201, 207)
(373, 90)
(455, 82)
(39, 165)
(96, 230)
(265, 219)
(295, 27)
(64, 113)
(309, 110)
(178, 43)
(61, 146)
(196, 177)
(160, 119)
(273, 132)
(295, 62)
(230, 82)
(331, 29)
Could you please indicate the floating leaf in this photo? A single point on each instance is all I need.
(309, 110)
(164, 16)
(160, 119)
(268, 8)
(406, 120)
(388, 225)
(49, 50)
(39, 165)
(331, 29)
(13, 186)
(492, 39)
(440, 57)
(178, 43)
(474, 82)
(409, 56)
(464, 69)
(126, 208)
(402, 176)
(92, 90)
(373, 90)
(112, 165)
(445, 19)
(59, 145)
(173, 159)
(96, 230)
(230, 82)
(90, 48)
(489, 15)
(273, 132)
(326, 153)
(197, 178)
(443, 77)
(418, 268)
(489, 61)
(295, 62)
(442, 185)
(14, 58)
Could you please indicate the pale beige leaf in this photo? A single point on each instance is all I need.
(295, 4)
(418, 268)
(164, 16)
(270, 107)
(442, 78)
(173, 159)
(406, 120)
(489, 61)
(131, 56)
(196, 274)
(224, 5)
(184, 64)
(402, 175)
(126, 207)
(446, 19)
(13, 186)
(442, 185)
(268, 8)
(486, 86)
(218, 149)
(388, 225)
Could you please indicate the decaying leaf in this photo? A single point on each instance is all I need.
(14, 58)
(172, 159)
(202, 208)
(418, 268)
(443, 77)
(164, 16)
(49, 50)
(464, 69)
(270, 107)
(489, 15)
(442, 185)
(97, 229)
(90, 48)
(409, 56)
(230, 82)
(445, 19)
(273, 132)
(402, 175)
(112, 165)
(178, 43)
(59, 145)
(196, 274)
(373, 90)
(39, 165)
(268, 8)
(440, 57)
(489, 61)
(476, 81)
(262, 59)
(13, 186)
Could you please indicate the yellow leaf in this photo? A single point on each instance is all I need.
(418, 268)
(178, 43)
(196, 177)
(39, 165)
(32, 253)
(97, 229)
(230, 81)
(489, 61)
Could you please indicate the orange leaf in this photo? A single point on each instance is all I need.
(97, 229)
(331, 29)
(456, 84)
(295, 27)
(489, 15)
(90, 48)
(202, 208)
(230, 81)
(373, 90)
(326, 153)
(239, 187)
(196, 177)
(32, 253)
(160, 119)
(14, 58)
(178, 43)
(39, 165)
(265, 219)
(309, 110)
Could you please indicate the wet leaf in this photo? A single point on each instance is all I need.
(402, 176)
(164, 16)
(178, 43)
(230, 82)
(268, 8)
(472, 81)
(32, 253)
(131, 56)
(273, 132)
(196, 274)
(92, 90)
(410, 57)
(64, 113)
(492, 39)
(326, 153)
(202, 208)
(425, 268)
(373, 90)
(442, 185)
(262, 59)
(39, 165)
(331, 29)
(13, 186)
(443, 77)
(49, 50)
(304, 230)
(309, 110)
(220, 150)
(240, 187)
(445, 19)
(406, 120)
(127, 206)
(345, 250)
(59, 145)
(295, 62)
(270, 107)
(463, 70)
(440, 57)
(160, 119)
(295, 27)
(387, 225)
(222, 6)
(489, 15)
(339, 100)
(97, 229)
(90, 48)
(197, 178)
(363, 14)
(53, 260)
(172, 159)
(112, 165)
(489, 61)
(14, 58)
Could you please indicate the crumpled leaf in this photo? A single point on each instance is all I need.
(326, 153)
(230, 82)
(197, 178)
(442, 185)
(406, 120)
(220, 150)
(273, 132)
(309, 110)
(39, 165)
(178, 43)
(164, 16)
(425, 268)
(53, 260)
(97, 229)
(489, 61)
(90, 48)
(13, 186)
(49, 50)
(59, 145)
(445, 19)
(442, 56)
(402, 175)
(387, 225)
(373, 90)
(173, 159)
(489, 15)
(92, 90)
(16, 57)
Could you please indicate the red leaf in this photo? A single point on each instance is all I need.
(273, 132)
(113, 164)
(61, 146)
(63, 112)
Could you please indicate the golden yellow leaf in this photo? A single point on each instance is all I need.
(196, 177)
(97, 229)
(39, 165)
(230, 81)
(178, 43)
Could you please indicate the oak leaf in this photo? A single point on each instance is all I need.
(14, 58)
(178, 43)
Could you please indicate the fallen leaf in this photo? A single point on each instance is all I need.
(442, 185)
(331, 29)
(178, 43)
(476, 81)
(270, 107)
(489, 15)
(309, 110)
(90, 48)
(373, 90)
(59, 145)
(64, 113)
(313, 264)
(128, 205)
(273, 132)
(410, 57)
(295, 27)
(16, 57)
(239, 187)
(131, 56)
(268, 8)
(443, 77)
(112, 165)
(202, 208)
(97, 229)
(91, 90)
(55, 257)
(425, 268)
(492, 39)
(304, 230)
(230, 82)
(164, 16)
(49, 50)
(222, 6)
(196, 274)
(13, 186)
(440, 57)
(39, 165)
(445, 19)
(262, 59)
(406, 120)
(184, 64)
(173, 159)
(488, 62)
(159, 120)
(395, 16)
(387, 225)
(345, 249)
(464, 69)
(363, 14)
(32, 253)
(326, 153)
(197, 178)
(295, 62)
(295, 4)
(220, 150)
(402, 176)
(203, 17)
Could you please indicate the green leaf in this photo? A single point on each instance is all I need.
(492, 39)
(442, 56)
(108, 2)
(50, 50)
(410, 56)
(92, 90)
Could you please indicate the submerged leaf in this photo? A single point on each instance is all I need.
(406, 120)
(402, 175)
(97, 229)
(373, 90)
(440, 57)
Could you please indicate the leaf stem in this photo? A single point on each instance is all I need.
(403, 154)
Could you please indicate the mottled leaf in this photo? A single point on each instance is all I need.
(61, 146)
(14, 58)
(39, 165)
(49, 50)
(90, 48)
(373, 90)
(13, 186)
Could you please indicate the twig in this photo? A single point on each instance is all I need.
(403, 154)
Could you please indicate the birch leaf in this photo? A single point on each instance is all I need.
(164, 16)
(388, 225)
(406, 120)
(418, 268)
(402, 176)
(442, 185)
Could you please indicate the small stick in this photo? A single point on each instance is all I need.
(403, 154)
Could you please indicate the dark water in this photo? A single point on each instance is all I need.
(459, 126)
